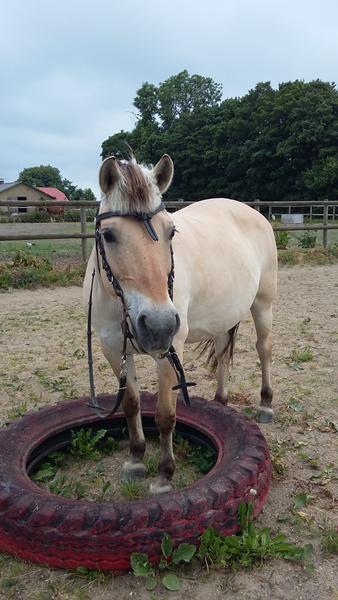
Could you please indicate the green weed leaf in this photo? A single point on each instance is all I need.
(166, 545)
(184, 553)
(171, 582)
(301, 499)
(151, 583)
(140, 565)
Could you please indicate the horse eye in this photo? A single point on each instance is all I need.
(172, 233)
(108, 235)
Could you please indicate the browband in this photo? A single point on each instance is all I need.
(141, 216)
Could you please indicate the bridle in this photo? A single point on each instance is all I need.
(171, 355)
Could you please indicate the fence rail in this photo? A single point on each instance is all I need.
(177, 205)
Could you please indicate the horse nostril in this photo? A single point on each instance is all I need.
(142, 321)
(156, 328)
(178, 322)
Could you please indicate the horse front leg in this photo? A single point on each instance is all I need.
(165, 419)
(133, 468)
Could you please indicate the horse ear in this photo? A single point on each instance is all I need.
(164, 172)
(109, 174)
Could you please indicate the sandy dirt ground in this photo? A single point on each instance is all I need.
(42, 361)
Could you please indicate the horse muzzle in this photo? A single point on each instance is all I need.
(156, 328)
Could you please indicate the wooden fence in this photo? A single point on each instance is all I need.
(267, 207)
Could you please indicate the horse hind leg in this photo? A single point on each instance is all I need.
(261, 311)
(220, 365)
(220, 361)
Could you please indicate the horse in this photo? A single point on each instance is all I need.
(219, 254)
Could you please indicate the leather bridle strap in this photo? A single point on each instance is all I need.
(171, 354)
(140, 216)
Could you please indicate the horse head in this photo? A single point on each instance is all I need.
(135, 233)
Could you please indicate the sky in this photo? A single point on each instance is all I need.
(69, 70)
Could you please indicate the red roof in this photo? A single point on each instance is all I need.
(53, 193)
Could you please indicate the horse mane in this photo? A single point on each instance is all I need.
(136, 189)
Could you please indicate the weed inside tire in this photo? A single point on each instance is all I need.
(90, 467)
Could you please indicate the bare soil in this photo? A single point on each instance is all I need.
(42, 361)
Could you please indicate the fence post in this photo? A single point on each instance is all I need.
(311, 213)
(325, 222)
(83, 230)
(258, 208)
(270, 211)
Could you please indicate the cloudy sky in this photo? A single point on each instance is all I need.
(69, 70)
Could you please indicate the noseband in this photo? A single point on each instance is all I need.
(127, 334)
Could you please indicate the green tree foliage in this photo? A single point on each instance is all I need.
(42, 176)
(270, 144)
(48, 176)
(146, 102)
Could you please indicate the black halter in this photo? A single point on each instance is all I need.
(171, 354)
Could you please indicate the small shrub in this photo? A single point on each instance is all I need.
(203, 459)
(302, 356)
(132, 489)
(170, 560)
(28, 270)
(277, 454)
(85, 443)
(287, 257)
(90, 214)
(307, 240)
(333, 250)
(329, 541)
(72, 215)
(18, 411)
(33, 217)
(251, 546)
(282, 239)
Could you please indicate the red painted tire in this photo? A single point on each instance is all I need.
(62, 532)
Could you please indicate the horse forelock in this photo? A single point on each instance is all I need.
(135, 190)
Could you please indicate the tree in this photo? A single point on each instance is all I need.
(182, 94)
(178, 95)
(117, 144)
(42, 176)
(83, 194)
(48, 176)
(272, 144)
(146, 101)
(322, 178)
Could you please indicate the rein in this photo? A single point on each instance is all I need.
(171, 354)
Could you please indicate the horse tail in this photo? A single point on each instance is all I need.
(227, 353)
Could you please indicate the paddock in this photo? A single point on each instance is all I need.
(42, 361)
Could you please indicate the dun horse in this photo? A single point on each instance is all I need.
(225, 264)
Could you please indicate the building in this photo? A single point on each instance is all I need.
(23, 192)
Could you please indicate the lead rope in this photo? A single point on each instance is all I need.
(172, 355)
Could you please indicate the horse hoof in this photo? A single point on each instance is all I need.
(264, 414)
(133, 471)
(156, 488)
(221, 399)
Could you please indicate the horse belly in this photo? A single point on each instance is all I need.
(221, 297)
(219, 312)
